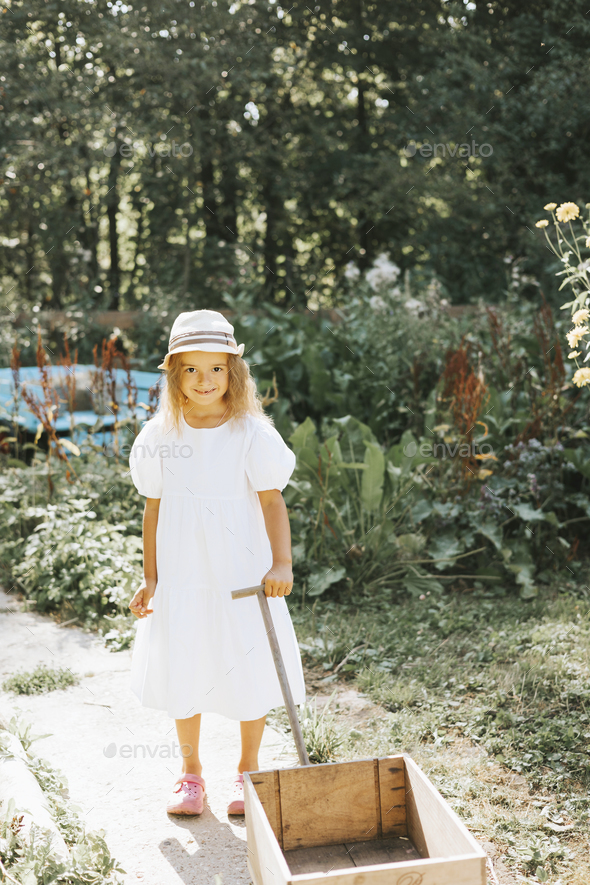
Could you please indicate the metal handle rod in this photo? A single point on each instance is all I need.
(280, 666)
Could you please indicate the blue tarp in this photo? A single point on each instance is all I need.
(87, 400)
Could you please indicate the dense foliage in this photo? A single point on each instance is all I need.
(440, 463)
(164, 148)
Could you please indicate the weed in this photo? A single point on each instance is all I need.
(323, 738)
(41, 679)
(45, 409)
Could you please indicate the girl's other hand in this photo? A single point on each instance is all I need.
(278, 581)
(140, 602)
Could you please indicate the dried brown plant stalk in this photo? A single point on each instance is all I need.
(467, 395)
(46, 410)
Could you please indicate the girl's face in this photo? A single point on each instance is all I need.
(204, 379)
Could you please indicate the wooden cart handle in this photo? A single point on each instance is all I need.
(246, 591)
(279, 664)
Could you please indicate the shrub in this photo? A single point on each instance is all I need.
(74, 561)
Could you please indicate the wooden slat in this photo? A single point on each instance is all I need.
(392, 789)
(379, 828)
(326, 858)
(327, 804)
(393, 850)
(266, 784)
(433, 826)
(463, 870)
(321, 859)
(278, 812)
(265, 859)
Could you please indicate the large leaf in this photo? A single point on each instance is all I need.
(491, 531)
(421, 510)
(445, 545)
(447, 510)
(354, 435)
(307, 460)
(333, 447)
(318, 582)
(528, 513)
(410, 544)
(418, 585)
(304, 436)
(372, 477)
(577, 458)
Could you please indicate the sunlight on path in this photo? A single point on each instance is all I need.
(121, 759)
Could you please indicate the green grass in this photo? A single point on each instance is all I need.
(41, 679)
(491, 696)
(510, 675)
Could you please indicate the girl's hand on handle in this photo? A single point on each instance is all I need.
(140, 602)
(278, 581)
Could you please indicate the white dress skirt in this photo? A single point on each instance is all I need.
(200, 650)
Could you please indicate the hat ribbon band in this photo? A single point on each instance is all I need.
(201, 338)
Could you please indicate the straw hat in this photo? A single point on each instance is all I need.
(201, 330)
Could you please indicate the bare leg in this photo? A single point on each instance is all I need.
(188, 731)
(251, 732)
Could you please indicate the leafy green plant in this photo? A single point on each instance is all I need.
(41, 679)
(73, 560)
(538, 853)
(24, 862)
(364, 519)
(351, 513)
(575, 274)
(323, 737)
(22, 730)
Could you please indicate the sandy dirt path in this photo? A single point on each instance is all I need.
(121, 759)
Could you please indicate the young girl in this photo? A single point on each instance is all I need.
(212, 467)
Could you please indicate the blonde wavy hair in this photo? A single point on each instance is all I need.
(241, 396)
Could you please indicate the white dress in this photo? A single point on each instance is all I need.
(201, 651)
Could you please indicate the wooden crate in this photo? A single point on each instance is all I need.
(371, 822)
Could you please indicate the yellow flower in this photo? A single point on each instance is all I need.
(542, 223)
(580, 316)
(581, 377)
(567, 212)
(573, 354)
(587, 242)
(575, 335)
(550, 207)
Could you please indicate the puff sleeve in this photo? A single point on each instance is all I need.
(269, 460)
(145, 461)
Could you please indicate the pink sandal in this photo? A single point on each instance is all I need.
(236, 798)
(188, 795)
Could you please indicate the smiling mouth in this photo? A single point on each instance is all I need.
(205, 392)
